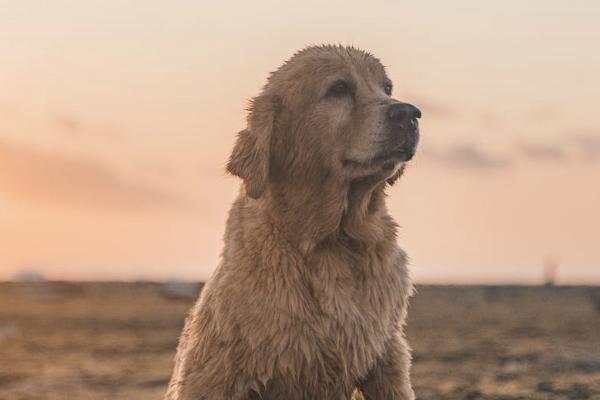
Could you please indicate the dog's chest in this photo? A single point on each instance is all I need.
(361, 298)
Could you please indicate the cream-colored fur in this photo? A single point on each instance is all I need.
(310, 297)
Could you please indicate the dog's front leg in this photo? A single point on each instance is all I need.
(389, 379)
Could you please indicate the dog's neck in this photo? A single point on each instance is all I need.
(365, 208)
(310, 213)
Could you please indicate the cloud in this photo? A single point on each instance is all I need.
(431, 107)
(544, 113)
(541, 152)
(491, 119)
(540, 114)
(68, 124)
(35, 175)
(588, 145)
(467, 156)
(582, 147)
(73, 126)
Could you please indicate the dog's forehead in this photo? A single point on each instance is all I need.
(322, 62)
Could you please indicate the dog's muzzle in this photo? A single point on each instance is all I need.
(402, 119)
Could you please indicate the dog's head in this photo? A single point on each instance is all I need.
(328, 111)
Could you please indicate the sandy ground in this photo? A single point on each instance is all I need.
(117, 341)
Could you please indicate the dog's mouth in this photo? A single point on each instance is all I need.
(385, 160)
(402, 147)
(403, 153)
(392, 152)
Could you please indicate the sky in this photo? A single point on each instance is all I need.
(117, 117)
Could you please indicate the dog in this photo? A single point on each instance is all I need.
(310, 297)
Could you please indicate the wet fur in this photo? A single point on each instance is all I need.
(310, 297)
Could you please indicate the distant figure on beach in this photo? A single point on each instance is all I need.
(550, 271)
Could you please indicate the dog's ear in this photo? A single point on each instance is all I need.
(392, 179)
(250, 157)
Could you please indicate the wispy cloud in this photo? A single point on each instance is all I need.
(490, 119)
(544, 113)
(539, 114)
(68, 124)
(431, 107)
(574, 147)
(588, 145)
(467, 156)
(570, 148)
(541, 152)
(72, 125)
(35, 175)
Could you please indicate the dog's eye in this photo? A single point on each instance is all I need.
(388, 89)
(339, 88)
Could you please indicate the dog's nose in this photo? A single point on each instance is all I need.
(400, 113)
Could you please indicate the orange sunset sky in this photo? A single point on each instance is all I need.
(116, 118)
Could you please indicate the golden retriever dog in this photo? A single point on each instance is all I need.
(310, 297)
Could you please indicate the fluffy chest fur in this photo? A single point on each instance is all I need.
(308, 321)
(361, 295)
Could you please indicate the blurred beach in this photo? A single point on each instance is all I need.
(117, 340)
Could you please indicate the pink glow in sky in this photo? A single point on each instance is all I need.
(116, 118)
